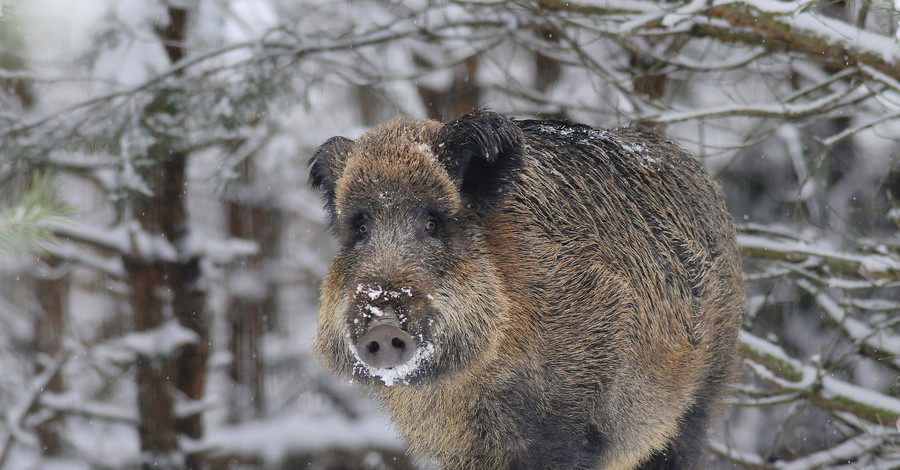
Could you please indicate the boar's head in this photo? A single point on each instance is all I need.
(412, 294)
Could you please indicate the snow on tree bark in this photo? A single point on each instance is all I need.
(176, 283)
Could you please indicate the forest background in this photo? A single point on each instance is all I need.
(160, 252)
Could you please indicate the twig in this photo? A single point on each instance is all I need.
(16, 416)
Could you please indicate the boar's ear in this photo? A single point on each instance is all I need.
(481, 151)
(325, 168)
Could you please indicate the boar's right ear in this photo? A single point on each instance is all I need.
(325, 168)
(481, 151)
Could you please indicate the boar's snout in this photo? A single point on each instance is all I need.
(385, 345)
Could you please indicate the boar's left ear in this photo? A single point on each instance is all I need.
(481, 151)
(326, 166)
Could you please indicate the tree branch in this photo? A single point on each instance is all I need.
(15, 417)
(771, 364)
(819, 38)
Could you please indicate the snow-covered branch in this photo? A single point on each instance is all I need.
(872, 266)
(132, 240)
(78, 255)
(786, 111)
(745, 459)
(771, 364)
(879, 343)
(791, 25)
(848, 451)
(162, 341)
(774, 25)
(73, 405)
(15, 417)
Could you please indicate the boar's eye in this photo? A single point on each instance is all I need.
(360, 227)
(432, 226)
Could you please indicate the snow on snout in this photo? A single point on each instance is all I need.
(400, 373)
(373, 310)
(425, 350)
(376, 292)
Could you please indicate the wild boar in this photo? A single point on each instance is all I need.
(530, 294)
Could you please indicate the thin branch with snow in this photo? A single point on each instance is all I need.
(15, 417)
(771, 364)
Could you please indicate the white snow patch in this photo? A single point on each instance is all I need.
(647, 158)
(373, 292)
(226, 251)
(132, 61)
(598, 134)
(684, 13)
(294, 433)
(561, 131)
(163, 340)
(376, 292)
(185, 407)
(74, 403)
(150, 246)
(847, 451)
(426, 150)
(832, 389)
(374, 310)
(881, 305)
(839, 390)
(857, 330)
(894, 214)
(879, 264)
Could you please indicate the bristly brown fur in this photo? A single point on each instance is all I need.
(580, 289)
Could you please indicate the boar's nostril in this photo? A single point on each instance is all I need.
(385, 346)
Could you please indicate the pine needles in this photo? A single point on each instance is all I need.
(27, 220)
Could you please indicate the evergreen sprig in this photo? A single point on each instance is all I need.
(26, 223)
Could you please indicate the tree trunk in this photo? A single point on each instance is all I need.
(164, 214)
(253, 307)
(50, 289)
(12, 58)
(648, 78)
(546, 70)
(463, 94)
(51, 292)
(155, 281)
(156, 428)
(188, 305)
